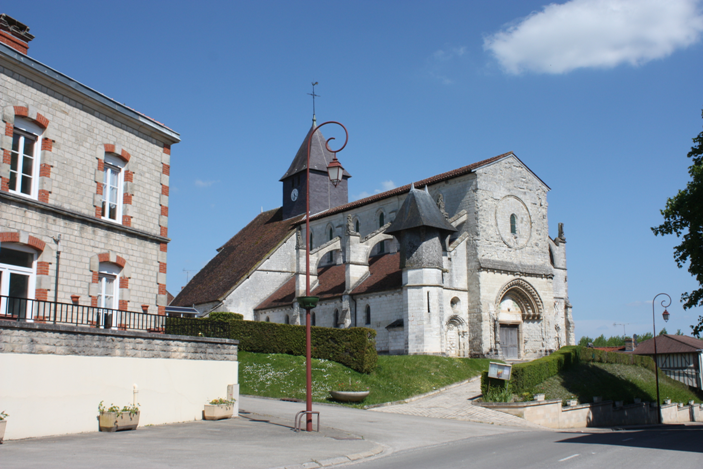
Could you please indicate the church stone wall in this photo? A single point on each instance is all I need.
(276, 270)
(385, 308)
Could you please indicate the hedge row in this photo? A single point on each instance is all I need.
(600, 356)
(525, 376)
(354, 347)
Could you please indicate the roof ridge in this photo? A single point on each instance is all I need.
(406, 188)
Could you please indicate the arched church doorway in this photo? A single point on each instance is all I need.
(456, 338)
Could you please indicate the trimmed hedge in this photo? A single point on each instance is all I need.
(600, 356)
(225, 316)
(354, 347)
(527, 375)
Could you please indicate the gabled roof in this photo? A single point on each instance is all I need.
(384, 275)
(237, 258)
(669, 343)
(419, 210)
(320, 157)
(421, 183)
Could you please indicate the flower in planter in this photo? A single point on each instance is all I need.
(3, 415)
(222, 401)
(352, 386)
(132, 410)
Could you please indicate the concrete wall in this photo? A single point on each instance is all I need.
(57, 376)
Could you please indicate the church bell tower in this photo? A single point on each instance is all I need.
(323, 194)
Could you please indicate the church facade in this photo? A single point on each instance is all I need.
(458, 264)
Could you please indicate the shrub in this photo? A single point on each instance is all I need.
(354, 347)
(525, 376)
(225, 316)
(600, 356)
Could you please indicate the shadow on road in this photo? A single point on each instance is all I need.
(673, 438)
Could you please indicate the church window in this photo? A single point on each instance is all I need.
(312, 319)
(268, 319)
(113, 182)
(513, 224)
(336, 318)
(330, 256)
(382, 244)
(311, 240)
(367, 319)
(357, 227)
(428, 302)
(24, 158)
(287, 319)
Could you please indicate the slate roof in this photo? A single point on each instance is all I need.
(237, 258)
(385, 274)
(669, 343)
(419, 209)
(421, 183)
(319, 156)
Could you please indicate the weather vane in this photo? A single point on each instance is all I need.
(313, 98)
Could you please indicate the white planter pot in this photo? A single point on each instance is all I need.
(572, 402)
(539, 397)
(349, 396)
(3, 424)
(110, 422)
(218, 411)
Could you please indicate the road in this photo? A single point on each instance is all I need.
(680, 447)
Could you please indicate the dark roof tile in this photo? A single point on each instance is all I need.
(669, 343)
(237, 258)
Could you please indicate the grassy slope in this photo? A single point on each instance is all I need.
(613, 382)
(396, 377)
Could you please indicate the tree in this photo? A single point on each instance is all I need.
(683, 216)
(663, 332)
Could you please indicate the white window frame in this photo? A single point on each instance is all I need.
(108, 270)
(114, 169)
(27, 129)
(8, 269)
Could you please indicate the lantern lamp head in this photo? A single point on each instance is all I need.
(666, 315)
(335, 171)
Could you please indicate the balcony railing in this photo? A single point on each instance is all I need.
(38, 311)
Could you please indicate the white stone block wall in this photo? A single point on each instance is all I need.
(78, 132)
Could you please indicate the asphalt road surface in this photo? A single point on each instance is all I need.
(678, 448)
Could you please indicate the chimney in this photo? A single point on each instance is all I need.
(630, 344)
(14, 34)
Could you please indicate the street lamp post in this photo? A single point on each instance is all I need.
(334, 171)
(665, 315)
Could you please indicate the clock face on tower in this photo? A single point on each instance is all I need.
(294, 195)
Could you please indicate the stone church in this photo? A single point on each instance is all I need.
(458, 264)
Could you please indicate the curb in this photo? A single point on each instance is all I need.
(378, 449)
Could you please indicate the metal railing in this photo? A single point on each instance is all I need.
(39, 311)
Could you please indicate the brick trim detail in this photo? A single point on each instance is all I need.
(42, 266)
(124, 276)
(162, 296)
(127, 189)
(9, 114)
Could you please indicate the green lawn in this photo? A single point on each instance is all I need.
(396, 377)
(613, 382)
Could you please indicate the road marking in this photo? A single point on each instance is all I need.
(628, 439)
(565, 459)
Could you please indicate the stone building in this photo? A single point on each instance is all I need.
(84, 190)
(459, 264)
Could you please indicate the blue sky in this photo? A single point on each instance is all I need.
(599, 98)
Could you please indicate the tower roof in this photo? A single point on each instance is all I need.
(319, 156)
(418, 210)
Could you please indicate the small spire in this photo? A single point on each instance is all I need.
(412, 186)
(427, 190)
(314, 121)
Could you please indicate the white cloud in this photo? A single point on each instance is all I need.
(596, 34)
(387, 185)
(201, 183)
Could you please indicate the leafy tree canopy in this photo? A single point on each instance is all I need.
(683, 216)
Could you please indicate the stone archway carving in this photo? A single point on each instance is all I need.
(456, 337)
(525, 295)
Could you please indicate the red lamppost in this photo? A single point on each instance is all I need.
(334, 171)
(665, 315)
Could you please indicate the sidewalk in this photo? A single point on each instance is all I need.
(261, 438)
